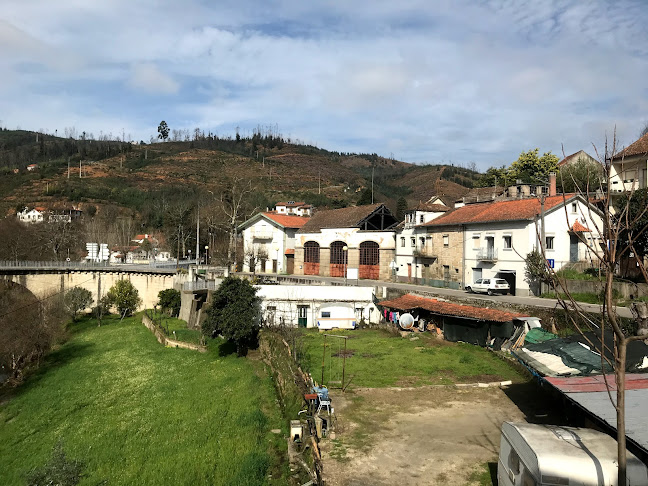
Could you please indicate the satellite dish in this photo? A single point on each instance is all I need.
(406, 321)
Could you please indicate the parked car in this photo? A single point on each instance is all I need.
(490, 286)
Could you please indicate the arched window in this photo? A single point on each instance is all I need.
(369, 254)
(311, 252)
(369, 260)
(339, 256)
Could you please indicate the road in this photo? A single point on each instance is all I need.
(451, 293)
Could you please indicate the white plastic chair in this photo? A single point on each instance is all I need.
(323, 404)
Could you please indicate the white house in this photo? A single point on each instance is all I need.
(269, 242)
(630, 167)
(295, 208)
(34, 215)
(322, 306)
(497, 236)
(412, 242)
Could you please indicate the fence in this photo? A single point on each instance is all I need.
(200, 285)
(90, 265)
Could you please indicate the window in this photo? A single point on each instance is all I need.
(514, 462)
(476, 242)
(422, 240)
(574, 206)
(446, 240)
(549, 243)
(413, 241)
(326, 314)
(422, 219)
(402, 242)
(508, 242)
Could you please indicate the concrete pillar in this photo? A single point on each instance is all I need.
(299, 261)
(325, 262)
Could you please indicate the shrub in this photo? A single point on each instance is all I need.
(125, 297)
(59, 470)
(76, 299)
(169, 301)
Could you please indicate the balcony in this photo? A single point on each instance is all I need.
(487, 255)
(424, 252)
(260, 234)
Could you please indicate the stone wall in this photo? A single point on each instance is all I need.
(165, 341)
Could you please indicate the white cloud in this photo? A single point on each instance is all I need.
(148, 78)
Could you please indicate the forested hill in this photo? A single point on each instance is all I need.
(142, 179)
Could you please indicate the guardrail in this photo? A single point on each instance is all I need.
(89, 265)
(200, 285)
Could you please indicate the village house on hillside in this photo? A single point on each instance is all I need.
(295, 208)
(41, 214)
(630, 167)
(492, 239)
(360, 237)
(269, 239)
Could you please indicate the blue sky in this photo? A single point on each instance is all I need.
(434, 82)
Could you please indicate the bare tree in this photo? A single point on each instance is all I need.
(235, 208)
(617, 233)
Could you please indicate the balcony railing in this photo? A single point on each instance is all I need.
(425, 252)
(487, 255)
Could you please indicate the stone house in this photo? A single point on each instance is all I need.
(336, 240)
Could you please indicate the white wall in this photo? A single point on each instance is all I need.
(275, 246)
(286, 299)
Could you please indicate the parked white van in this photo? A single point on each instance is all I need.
(538, 455)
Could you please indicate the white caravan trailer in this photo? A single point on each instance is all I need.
(538, 455)
(336, 315)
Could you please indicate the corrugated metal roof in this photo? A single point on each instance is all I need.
(598, 403)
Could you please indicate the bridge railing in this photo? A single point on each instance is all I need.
(89, 264)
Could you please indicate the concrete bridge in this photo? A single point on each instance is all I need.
(46, 278)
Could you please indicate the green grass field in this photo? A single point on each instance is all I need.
(138, 413)
(378, 358)
(179, 326)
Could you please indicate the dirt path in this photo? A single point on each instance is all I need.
(437, 436)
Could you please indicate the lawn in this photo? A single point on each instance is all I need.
(379, 358)
(171, 324)
(136, 412)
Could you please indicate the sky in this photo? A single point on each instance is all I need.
(458, 82)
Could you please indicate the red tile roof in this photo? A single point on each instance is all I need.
(290, 251)
(511, 210)
(287, 221)
(409, 301)
(577, 227)
(292, 204)
(637, 148)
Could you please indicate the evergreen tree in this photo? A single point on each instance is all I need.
(401, 207)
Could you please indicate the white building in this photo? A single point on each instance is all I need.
(413, 241)
(294, 208)
(630, 167)
(34, 215)
(317, 306)
(269, 242)
(497, 236)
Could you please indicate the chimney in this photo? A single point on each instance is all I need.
(552, 183)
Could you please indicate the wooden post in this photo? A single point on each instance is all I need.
(323, 359)
(344, 362)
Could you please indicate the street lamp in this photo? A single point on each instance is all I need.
(206, 254)
(345, 249)
(189, 257)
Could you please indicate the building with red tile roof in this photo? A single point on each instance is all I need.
(492, 239)
(269, 242)
(630, 167)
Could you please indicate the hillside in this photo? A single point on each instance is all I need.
(128, 175)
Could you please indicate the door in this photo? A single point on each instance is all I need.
(302, 315)
(573, 248)
(446, 275)
(409, 272)
(290, 264)
(274, 266)
(477, 274)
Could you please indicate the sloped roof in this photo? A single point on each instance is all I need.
(433, 208)
(339, 218)
(446, 199)
(637, 148)
(577, 227)
(478, 194)
(293, 204)
(574, 158)
(287, 221)
(510, 210)
(409, 301)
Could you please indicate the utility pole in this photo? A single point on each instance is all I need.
(79, 169)
(68, 168)
(198, 236)
(372, 179)
(319, 182)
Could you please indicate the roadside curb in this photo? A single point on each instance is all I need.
(491, 384)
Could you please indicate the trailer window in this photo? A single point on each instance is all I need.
(514, 462)
(326, 314)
